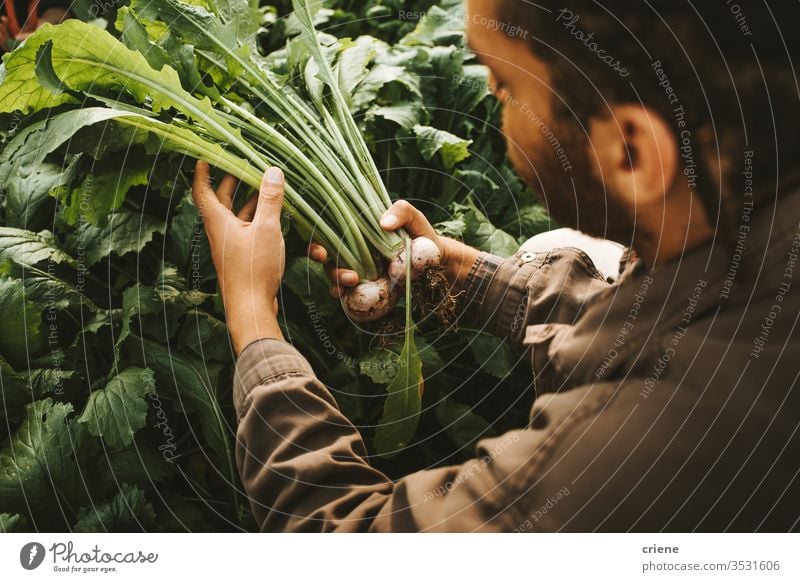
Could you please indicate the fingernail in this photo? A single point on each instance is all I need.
(389, 221)
(350, 279)
(274, 176)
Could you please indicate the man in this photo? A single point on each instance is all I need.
(665, 401)
(20, 18)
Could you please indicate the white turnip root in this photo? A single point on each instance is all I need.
(424, 254)
(370, 301)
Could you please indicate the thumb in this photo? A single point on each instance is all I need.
(270, 197)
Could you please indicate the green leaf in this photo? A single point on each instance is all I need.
(29, 248)
(187, 244)
(307, 280)
(120, 409)
(533, 220)
(13, 390)
(129, 511)
(205, 336)
(20, 89)
(139, 466)
(127, 231)
(103, 190)
(380, 366)
(493, 354)
(27, 175)
(352, 66)
(407, 114)
(345, 387)
(194, 385)
(10, 523)
(403, 403)
(451, 148)
(21, 337)
(39, 456)
(437, 27)
(380, 76)
(461, 424)
(471, 224)
(19, 388)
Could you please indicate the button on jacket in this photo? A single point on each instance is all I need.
(667, 401)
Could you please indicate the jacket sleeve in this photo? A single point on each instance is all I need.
(304, 466)
(505, 296)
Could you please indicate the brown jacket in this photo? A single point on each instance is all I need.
(666, 401)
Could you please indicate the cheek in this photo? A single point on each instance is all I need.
(519, 137)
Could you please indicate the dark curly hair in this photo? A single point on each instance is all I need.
(729, 64)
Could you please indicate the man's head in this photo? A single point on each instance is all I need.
(633, 123)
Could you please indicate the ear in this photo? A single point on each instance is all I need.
(636, 153)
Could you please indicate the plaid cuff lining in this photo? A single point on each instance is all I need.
(477, 284)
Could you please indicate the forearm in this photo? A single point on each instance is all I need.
(506, 296)
(249, 319)
(304, 465)
(299, 458)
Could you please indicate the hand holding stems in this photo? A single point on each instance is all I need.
(457, 258)
(248, 252)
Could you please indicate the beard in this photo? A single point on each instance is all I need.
(570, 191)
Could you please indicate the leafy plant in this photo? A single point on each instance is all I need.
(115, 361)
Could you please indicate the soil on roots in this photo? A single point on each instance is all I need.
(432, 297)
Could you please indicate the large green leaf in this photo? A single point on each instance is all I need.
(29, 248)
(193, 383)
(39, 456)
(19, 88)
(21, 337)
(126, 232)
(307, 280)
(10, 523)
(103, 190)
(451, 148)
(129, 511)
(120, 409)
(461, 424)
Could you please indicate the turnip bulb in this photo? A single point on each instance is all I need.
(370, 301)
(424, 253)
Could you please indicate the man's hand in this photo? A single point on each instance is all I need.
(248, 252)
(457, 258)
